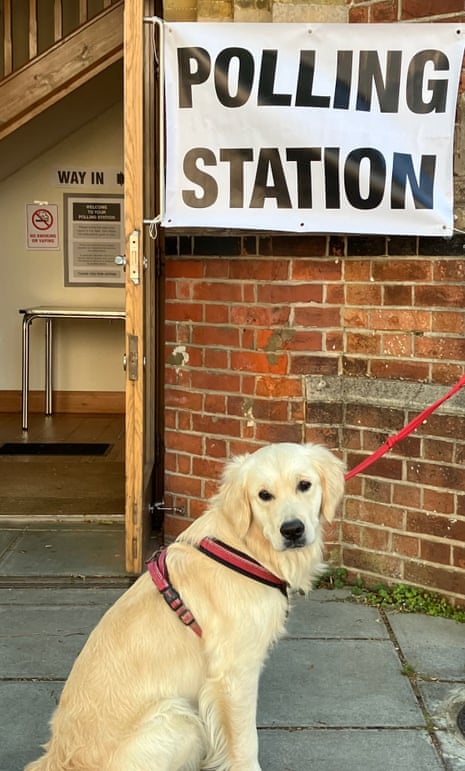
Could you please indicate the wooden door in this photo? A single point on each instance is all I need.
(143, 281)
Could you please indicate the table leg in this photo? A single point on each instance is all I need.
(25, 371)
(48, 367)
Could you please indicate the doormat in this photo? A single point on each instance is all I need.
(54, 448)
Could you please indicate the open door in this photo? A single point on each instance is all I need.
(144, 387)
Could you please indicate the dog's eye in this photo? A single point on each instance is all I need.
(265, 495)
(304, 485)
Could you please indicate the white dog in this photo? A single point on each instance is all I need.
(164, 688)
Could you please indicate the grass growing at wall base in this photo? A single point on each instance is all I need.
(400, 597)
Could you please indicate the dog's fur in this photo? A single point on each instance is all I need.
(148, 693)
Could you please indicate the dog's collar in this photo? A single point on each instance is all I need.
(159, 572)
(240, 562)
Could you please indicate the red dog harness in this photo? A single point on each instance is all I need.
(220, 552)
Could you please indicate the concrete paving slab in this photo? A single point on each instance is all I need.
(59, 596)
(319, 616)
(65, 552)
(336, 683)
(350, 750)
(434, 647)
(453, 751)
(443, 702)
(7, 539)
(25, 712)
(43, 641)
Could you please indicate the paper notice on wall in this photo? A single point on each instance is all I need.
(311, 127)
(42, 226)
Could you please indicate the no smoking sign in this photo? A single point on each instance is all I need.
(42, 226)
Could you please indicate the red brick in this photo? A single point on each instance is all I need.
(356, 270)
(364, 343)
(214, 403)
(446, 373)
(216, 314)
(355, 317)
(439, 579)
(216, 425)
(402, 270)
(418, 9)
(380, 418)
(215, 336)
(178, 268)
(313, 365)
(282, 294)
(316, 270)
(363, 294)
(215, 381)
(436, 475)
(399, 370)
(397, 344)
(259, 316)
(181, 311)
(216, 359)
(383, 12)
(358, 15)
(275, 387)
(436, 449)
(317, 316)
(439, 296)
(377, 564)
(433, 551)
(182, 485)
(334, 341)
(249, 361)
(375, 539)
(259, 270)
(215, 447)
(216, 291)
(334, 294)
(440, 348)
(406, 546)
(443, 321)
(415, 321)
(278, 432)
(432, 524)
(397, 294)
(177, 442)
(407, 495)
(458, 557)
(449, 270)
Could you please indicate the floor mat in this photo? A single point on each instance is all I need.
(54, 448)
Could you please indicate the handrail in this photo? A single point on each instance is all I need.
(24, 38)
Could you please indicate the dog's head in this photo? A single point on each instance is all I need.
(282, 490)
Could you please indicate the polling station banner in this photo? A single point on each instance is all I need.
(317, 128)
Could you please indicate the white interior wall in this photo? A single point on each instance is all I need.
(87, 354)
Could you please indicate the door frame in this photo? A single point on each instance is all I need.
(144, 293)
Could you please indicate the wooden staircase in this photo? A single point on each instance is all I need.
(72, 60)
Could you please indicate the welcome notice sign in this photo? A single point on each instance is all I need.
(311, 128)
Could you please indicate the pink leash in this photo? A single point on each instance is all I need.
(392, 440)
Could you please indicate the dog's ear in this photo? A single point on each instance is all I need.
(331, 472)
(232, 499)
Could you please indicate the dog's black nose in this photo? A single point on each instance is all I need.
(292, 530)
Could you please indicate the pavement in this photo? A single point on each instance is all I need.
(334, 694)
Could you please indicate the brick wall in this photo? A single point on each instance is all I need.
(330, 339)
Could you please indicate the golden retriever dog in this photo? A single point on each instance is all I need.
(151, 693)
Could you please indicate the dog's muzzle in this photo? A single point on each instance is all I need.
(293, 532)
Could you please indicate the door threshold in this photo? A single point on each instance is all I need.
(60, 519)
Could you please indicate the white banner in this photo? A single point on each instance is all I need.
(323, 128)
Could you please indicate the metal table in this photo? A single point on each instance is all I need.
(49, 313)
